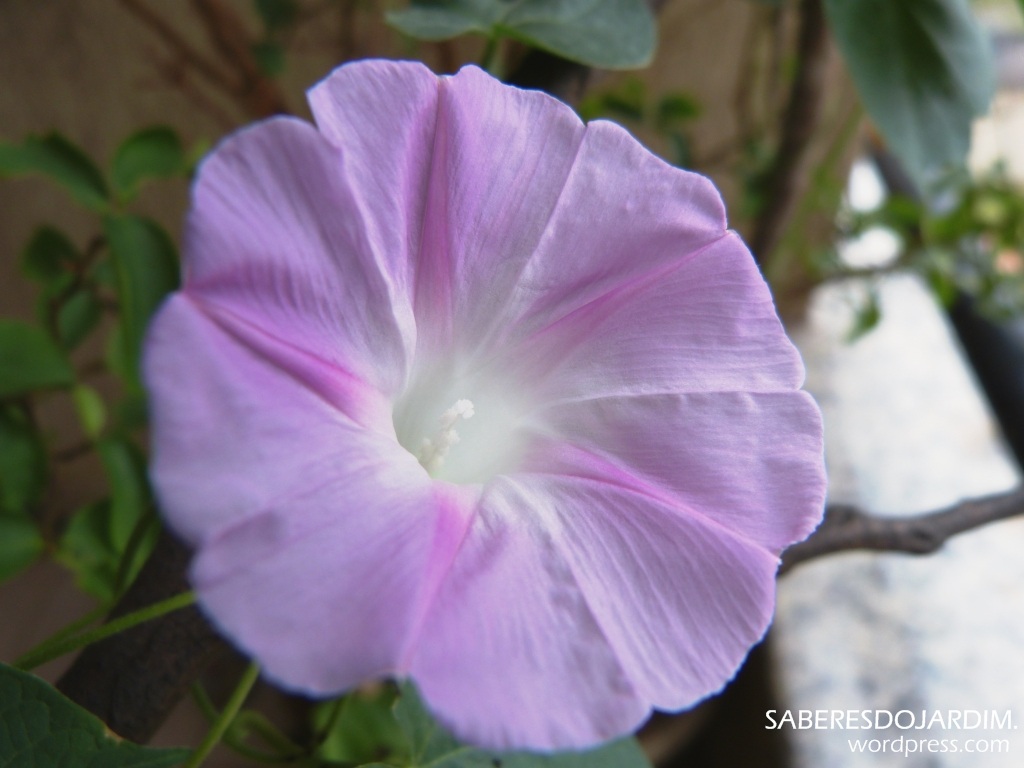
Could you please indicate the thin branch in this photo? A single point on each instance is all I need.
(847, 528)
(207, 68)
(257, 93)
(799, 123)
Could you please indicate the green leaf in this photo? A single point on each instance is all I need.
(86, 549)
(676, 108)
(365, 730)
(131, 497)
(91, 411)
(611, 34)
(148, 154)
(269, 57)
(22, 462)
(77, 317)
(924, 70)
(30, 360)
(20, 545)
(430, 745)
(47, 255)
(60, 160)
(40, 728)
(868, 316)
(146, 269)
(277, 14)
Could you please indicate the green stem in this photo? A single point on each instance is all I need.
(226, 717)
(78, 625)
(61, 644)
(138, 535)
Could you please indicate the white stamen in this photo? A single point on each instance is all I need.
(432, 453)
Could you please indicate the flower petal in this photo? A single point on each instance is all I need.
(702, 322)
(323, 594)
(509, 654)
(381, 115)
(718, 454)
(679, 598)
(276, 237)
(240, 420)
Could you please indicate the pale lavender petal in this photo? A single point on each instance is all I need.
(327, 587)
(382, 117)
(510, 654)
(501, 159)
(679, 597)
(240, 419)
(546, 215)
(277, 238)
(703, 322)
(751, 462)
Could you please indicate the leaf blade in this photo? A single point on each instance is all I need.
(30, 360)
(924, 70)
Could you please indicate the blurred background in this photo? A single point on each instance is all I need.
(840, 143)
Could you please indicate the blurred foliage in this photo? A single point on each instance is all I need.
(110, 287)
(668, 117)
(922, 68)
(611, 34)
(969, 240)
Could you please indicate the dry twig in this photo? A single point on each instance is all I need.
(847, 528)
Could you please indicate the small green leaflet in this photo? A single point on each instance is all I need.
(610, 34)
(146, 270)
(151, 153)
(30, 360)
(60, 160)
(40, 728)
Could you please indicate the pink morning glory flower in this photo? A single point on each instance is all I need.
(461, 389)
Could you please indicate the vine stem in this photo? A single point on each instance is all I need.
(227, 716)
(62, 643)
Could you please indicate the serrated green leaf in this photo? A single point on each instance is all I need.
(20, 544)
(610, 34)
(47, 255)
(30, 360)
(151, 153)
(40, 728)
(924, 69)
(430, 745)
(57, 158)
(146, 269)
(22, 462)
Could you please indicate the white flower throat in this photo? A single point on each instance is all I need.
(462, 429)
(433, 451)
